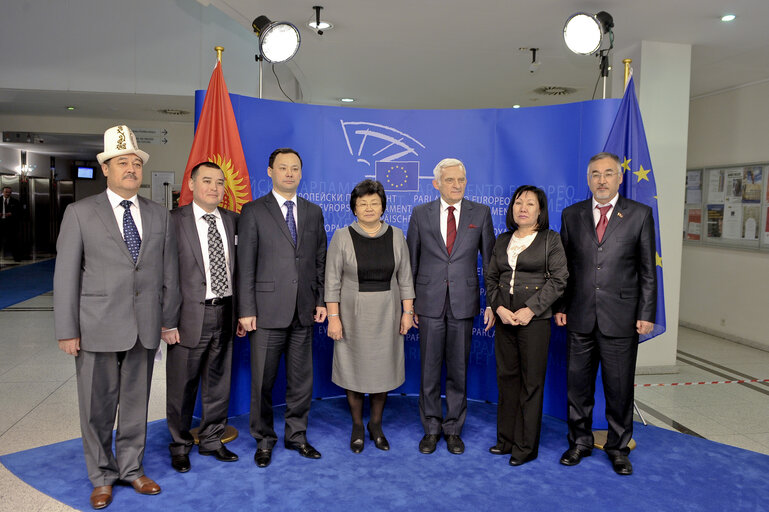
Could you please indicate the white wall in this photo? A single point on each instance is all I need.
(723, 291)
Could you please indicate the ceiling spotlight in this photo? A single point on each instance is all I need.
(278, 41)
(317, 24)
(728, 17)
(583, 32)
(347, 100)
(70, 107)
(516, 106)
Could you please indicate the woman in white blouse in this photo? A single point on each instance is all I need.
(526, 275)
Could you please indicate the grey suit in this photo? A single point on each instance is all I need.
(281, 284)
(204, 352)
(447, 299)
(116, 307)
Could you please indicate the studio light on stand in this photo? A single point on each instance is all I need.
(278, 42)
(583, 34)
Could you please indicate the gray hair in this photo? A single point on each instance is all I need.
(601, 156)
(447, 162)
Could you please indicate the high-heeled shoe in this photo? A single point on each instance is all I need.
(356, 439)
(375, 434)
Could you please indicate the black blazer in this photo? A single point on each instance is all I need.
(530, 288)
(612, 283)
(276, 278)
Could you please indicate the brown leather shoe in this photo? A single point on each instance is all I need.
(145, 485)
(101, 496)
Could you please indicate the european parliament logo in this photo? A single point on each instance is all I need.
(398, 176)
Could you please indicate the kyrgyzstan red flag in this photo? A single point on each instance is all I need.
(217, 140)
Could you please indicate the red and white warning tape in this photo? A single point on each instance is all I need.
(703, 382)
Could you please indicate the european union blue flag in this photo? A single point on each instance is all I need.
(398, 176)
(627, 139)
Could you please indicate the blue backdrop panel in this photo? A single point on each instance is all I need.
(501, 148)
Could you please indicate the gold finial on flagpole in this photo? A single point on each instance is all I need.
(627, 62)
(219, 50)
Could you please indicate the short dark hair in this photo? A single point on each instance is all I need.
(8, 186)
(365, 188)
(284, 151)
(543, 220)
(205, 163)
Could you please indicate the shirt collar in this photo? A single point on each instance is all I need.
(281, 200)
(445, 205)
(613, 202)
(199, 212)
(115, 199)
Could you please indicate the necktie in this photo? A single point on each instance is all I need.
(451, 229)
(600, 228)
(290, 220)
(216, 261)
(130, 233)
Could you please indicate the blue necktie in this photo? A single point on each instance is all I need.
(130, 233)
(290, 220)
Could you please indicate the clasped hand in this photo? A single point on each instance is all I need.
(521, 317)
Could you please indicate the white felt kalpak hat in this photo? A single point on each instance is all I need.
(120, 140)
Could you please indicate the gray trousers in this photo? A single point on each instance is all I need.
(104, 381)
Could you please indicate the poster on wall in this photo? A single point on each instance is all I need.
(716, 187)
(751, 185)
(715, 220)
(751, 220)
(694, 224)
(766, 226)
(733, 186)
(732, 222)
(694, 187)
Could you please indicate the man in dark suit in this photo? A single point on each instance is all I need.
(200, 350)
(610, 299)
(115, 288)
(281, 265)
(444, 238)
(10, 215)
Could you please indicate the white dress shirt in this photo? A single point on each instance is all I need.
(119, 211)
(597, 212)
(202, 226)
(283, 208)
(445, 216)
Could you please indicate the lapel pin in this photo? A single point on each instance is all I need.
(619, 214)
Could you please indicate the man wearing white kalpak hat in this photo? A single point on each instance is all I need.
(115, 287)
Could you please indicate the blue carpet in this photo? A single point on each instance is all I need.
(672, 472)
(23, 283)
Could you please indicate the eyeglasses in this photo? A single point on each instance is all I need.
(599, 175)
(364, 205)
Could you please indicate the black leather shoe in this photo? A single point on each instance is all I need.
(515, 461)
(221, 454)
(499, 449)
(305, 450)
(263, 457)
(428, 443)
(375, 434)
(356, 439)
(572, 456)
(621, 464)
(454, 444)
(180, 463)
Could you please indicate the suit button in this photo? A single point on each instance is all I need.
(203, 283)
(597, 287)
(137, 294)
(600, 249)
(598, 267)
(293, 282)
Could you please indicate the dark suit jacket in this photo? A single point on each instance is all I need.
(99, 294)
(435, 271)
(192, 274)
(274, 277)
(530, 287)
(613, 283)
(14, 208)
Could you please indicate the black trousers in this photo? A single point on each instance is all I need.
(521, 354)
(267, 347)
(617, 357)
(209, 364)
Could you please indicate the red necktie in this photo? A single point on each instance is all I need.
(451, 229)
(600, 228)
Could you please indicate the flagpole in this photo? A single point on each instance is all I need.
(219, 50)
(627, 62)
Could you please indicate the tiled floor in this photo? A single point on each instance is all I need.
(38, 401)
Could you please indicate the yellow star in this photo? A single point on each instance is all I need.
(658, 258)
(626, 164)
(642, 174)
